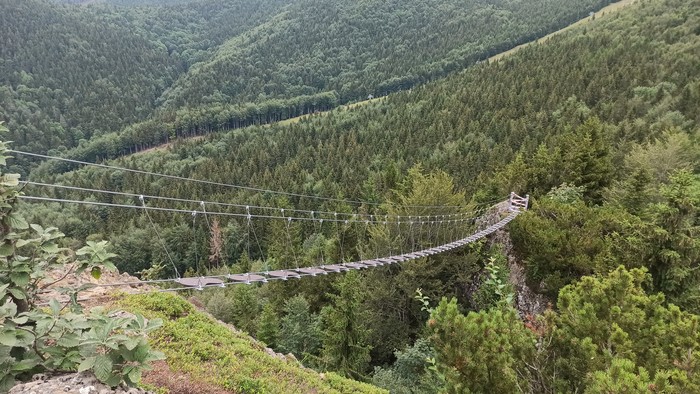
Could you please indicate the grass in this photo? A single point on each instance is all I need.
(339, 108)
(218, 358)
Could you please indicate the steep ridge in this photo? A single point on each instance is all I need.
(69, 73)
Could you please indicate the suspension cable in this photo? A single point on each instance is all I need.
(212, 183)
(231, 205)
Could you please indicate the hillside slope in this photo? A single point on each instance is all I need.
(471, 125)
(476, 122)
(69, 73)
(196, 67)
(360, 48)
(214, 357)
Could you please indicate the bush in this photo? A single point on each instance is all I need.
(59, 337)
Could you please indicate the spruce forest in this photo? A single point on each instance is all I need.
(196, 144)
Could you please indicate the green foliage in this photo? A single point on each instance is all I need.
(578, 156)
(426, 41)
(613, 104)
(566, 194)
(300, 331)
(64, 74)
(201, 66)
(237, 305)
(496, 287)
(345, 334)
(167, 307)
(602, 319)
(561, 242)
(411, 373)
(622, 378)
(215, 354)
(471, 126)
(396, 320)
(482, 352)
(268, 328)
(60, 337)
(675, 241)
(116, 349)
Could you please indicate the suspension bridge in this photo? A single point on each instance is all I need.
(510, 208)
(487, 220)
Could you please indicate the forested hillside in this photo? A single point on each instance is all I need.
(358, 48)
(599, 125)
(70, 73)
(108, 80)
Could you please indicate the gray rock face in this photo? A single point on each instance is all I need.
(74, 383)
(527, 301)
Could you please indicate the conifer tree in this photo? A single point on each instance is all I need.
(300, 331)
(484, 352)
(345, 338)
(268, 327)
(603, 318)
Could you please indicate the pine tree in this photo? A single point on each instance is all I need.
(300, 332)
(608, 317)
(268, 327)
(485, 352)
(345, 338)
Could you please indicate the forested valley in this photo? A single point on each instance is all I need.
(599, 125)
(111, 79)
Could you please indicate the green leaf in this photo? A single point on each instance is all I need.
(10, 180)
(88, 363)
(103, 368)
(20, 320)
(131, 343)
(6, 383)
(25, 365)
(153, 324)
(113, 381)
(96, 272)
(135, 375)
(50, 248)
(18, 222)
(18, 294)
(24, 338)
(141, 353)
(8, 338)
(6, 249)
(154, 355)
(43, 326)
(20, 279)
(69, 341)
(55, 307)
(9, 309)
